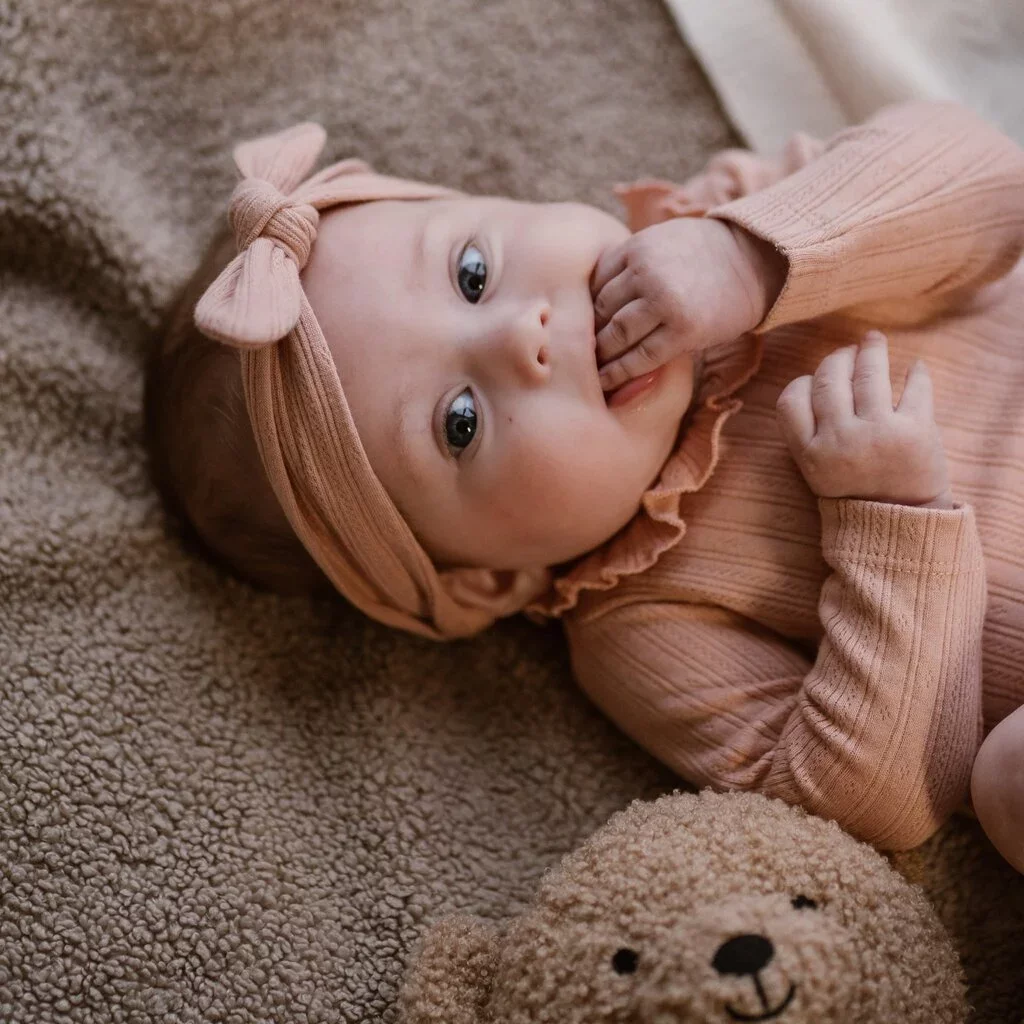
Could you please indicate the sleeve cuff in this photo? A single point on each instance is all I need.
(900, 537)
(812, 263)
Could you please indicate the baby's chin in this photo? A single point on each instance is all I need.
(651, 423)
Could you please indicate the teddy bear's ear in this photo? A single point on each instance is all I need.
(450, 974)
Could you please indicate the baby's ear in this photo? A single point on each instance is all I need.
(495, 591)
(450, 975)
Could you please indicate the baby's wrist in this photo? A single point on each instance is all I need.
(943, 502)
(767, 265)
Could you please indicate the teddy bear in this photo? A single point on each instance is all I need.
(704, 908)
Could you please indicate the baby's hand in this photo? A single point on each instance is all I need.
(679, 286)
(850, 442)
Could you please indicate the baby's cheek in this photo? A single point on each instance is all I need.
(574, 484)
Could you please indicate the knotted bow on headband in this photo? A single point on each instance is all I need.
(304, 430)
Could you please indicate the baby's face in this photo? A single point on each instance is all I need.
(463, 334)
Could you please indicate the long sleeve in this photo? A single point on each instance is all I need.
(893, 220)
(879, 732)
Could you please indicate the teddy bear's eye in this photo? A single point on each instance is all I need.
(801, 901)
(624, 961)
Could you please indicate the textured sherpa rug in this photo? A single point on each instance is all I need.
(215, 805)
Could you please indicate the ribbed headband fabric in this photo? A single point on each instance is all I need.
(304, 430)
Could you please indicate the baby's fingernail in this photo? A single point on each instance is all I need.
(875, 336)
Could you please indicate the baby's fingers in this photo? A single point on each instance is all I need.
(872, 387)
(653, 351)
(629, 325)
(795, 413)
(917, 399)
(610, 263)
(832, 387)
(619, 291)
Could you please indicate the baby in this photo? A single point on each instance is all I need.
(680, 437)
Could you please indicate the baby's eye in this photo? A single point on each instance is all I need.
(803, 902)
(472, 273)
(460, 422)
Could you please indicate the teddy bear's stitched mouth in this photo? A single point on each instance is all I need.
(768, 1014)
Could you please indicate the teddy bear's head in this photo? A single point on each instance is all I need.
(700, 908)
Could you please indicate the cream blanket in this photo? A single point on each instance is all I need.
(215, 805)
(782, 66)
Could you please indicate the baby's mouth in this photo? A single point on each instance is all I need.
(625, 392)
(631, 389)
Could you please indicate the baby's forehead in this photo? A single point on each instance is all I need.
(355, 244)
(380, 255)
(348, 236)
(367, 278)
(357, 238)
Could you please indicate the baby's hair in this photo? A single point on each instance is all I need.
(203, 457)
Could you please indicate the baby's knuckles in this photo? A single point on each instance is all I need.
(669, 259)
(662, 272)
(615, 334)
(897, 459)
(605, 306)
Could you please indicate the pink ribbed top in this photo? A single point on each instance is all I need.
(837, 653)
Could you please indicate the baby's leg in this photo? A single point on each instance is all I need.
(997, 787)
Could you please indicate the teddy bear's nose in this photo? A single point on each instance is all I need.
(744, 954)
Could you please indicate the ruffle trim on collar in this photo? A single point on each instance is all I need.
(658, 525)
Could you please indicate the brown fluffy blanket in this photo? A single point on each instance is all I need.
(216, 805)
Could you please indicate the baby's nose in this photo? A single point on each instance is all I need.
(744, 954)
(525, 340)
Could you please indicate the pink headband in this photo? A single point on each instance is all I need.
(304, 431)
